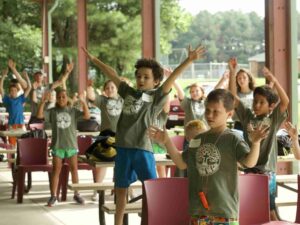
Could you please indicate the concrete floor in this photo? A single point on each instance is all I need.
(34, 211)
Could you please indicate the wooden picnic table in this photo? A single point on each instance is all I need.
(160, 159)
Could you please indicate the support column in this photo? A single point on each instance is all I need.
(81, 42)
(280, 47)
(148, 28)
(45, 50)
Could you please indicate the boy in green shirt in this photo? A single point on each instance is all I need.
(211, 161)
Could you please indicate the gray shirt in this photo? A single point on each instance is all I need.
(246, 99)
(212, 168)
(192, 109)
(63, 124)
(111, 109)
(268, 148)
(139, 111)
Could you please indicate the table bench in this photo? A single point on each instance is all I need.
(282, 180)
(109, 208)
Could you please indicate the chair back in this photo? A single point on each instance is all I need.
(165, 201)
(254, 199)
(298, 202)
(32, 151)
(83, 143)
(178, 141)
(36, 126)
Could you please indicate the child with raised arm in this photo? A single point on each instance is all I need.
(14, 104)
(269, 111)
(211, 161)
(110, 104)
(63, 119)
(141, 106)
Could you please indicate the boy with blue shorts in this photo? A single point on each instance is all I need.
(140, 109)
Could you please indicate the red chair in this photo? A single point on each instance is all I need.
(83, 143)
(32, 156)
(165, 201)
(178, 141)
(254, 199)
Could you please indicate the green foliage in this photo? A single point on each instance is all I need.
(20, 37)
(226, 34)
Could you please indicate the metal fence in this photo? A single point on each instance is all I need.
(206, 70)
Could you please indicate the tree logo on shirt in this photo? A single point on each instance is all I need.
(198, 109)
(63, 120)
(131, 105)
(114, 107)
(208, 159)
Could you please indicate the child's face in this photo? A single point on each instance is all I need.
(145, 79)
(13, 92)
(196, 93)
(216, 114)
(62, 99)
(260, 105)
(242, 79)
(110, 90)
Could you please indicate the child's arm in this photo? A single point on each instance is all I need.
(232, 65)
(284, 99)
(162, 137)
(293, 133)
(12, 66)
(256, 136)
(85, 108)
(45, 99)
(223, 82)
(106, 69)
(4, 75)
(62, 81)
(193, 55)
(28, 89)
(178, 88)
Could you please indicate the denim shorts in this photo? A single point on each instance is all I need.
(133, 164)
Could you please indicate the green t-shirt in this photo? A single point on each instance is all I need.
(63, 124)
(212, 167)
(193, 109)
(140, 110)
(111, 109)
(268, 148)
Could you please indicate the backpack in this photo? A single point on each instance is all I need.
(90, 125)
(103, 149)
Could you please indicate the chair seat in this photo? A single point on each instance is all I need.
(32, 168)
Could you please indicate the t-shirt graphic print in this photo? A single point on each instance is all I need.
(208, 159)
(63, 120)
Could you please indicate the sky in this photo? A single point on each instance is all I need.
(213, 6)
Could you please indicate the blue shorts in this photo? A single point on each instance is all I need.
(132, 164)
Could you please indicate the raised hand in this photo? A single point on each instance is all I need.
(11, 64)
(89, 55)
(197, 53)
(232, 63)
(292, 130)
(257, 134)
(158, 135)
(69, 67)
(268, 75)
(4, 72)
